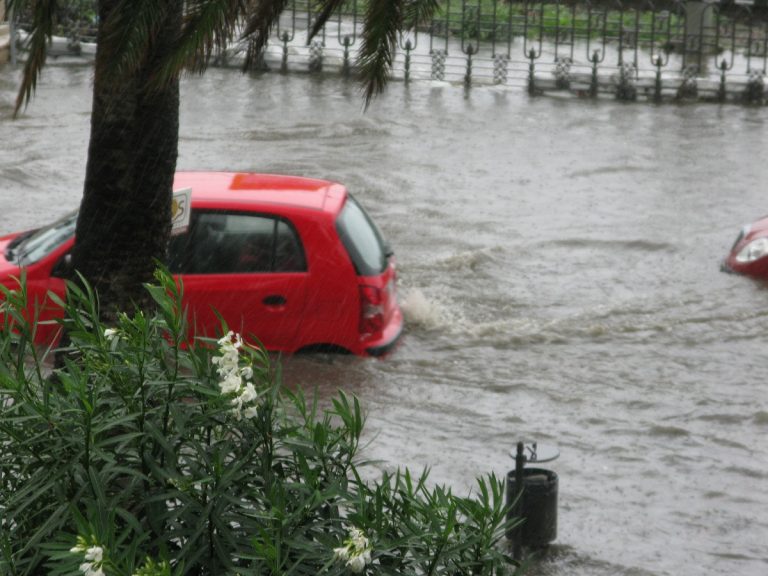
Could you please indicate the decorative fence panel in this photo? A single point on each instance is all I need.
(632, 50)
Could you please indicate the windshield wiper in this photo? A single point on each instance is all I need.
(12, 250)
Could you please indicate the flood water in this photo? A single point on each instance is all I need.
(559, 269)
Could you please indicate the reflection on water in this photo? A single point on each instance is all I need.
(559, 270)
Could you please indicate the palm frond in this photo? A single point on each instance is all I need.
(419, 11)
(125, 35)
(43, 19)
(327, 8)
(259, 22)
(383, 21)
(208, 26)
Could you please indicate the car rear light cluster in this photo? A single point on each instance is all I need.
(371, 310)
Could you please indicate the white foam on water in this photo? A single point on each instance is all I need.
(423, 311)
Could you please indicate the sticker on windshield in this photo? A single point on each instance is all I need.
(181, 211)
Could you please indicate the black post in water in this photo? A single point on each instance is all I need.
(517, 534)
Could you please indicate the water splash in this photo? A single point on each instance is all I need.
(423, 312)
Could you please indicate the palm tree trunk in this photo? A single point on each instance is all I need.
(124, 221)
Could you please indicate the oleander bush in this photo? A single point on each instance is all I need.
(150, 453)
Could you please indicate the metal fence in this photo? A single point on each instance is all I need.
(658, 51)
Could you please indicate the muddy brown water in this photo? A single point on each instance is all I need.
(559, 269)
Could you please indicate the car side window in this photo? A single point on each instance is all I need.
(289, 254)
(230, 243)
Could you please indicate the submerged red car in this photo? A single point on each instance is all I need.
(295, 262)
(749, 253)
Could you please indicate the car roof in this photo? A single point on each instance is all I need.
(232, 189)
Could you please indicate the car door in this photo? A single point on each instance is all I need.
(249, 268)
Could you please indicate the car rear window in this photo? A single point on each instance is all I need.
(362, 239)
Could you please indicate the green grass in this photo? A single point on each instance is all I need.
(498, 20)
(501, 21)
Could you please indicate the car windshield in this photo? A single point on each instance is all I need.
(361, 238)
(45, 240)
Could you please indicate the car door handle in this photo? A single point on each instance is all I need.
(274, 300)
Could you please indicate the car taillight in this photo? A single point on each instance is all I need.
(371, 310)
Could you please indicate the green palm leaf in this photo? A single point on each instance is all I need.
(419, 11)
(43, 18)
(208, 26)
(259, 23)
(325, 9)
(128, 30)
(382, 23)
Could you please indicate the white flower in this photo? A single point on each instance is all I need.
(232, 376)
(359, 541)
(226, 339)
(228, 361)
(230, 339)
(94, 554)
(111, 333)
(341, 553)
(248, 393)
(89, 569)
(251, 412)
(356, 564)
(356, 551)
(230, 384)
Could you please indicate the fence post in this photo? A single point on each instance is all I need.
(345, 66)
(593, 80)
(517, 535)
(284, 64)
(658, 61)
(468, 76)
(721, 92)
(531, 72)
(408, 48)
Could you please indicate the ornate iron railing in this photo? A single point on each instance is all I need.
(629, 50)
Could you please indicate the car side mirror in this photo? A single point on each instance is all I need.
(63, 267)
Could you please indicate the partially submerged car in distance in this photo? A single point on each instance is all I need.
(294, 262)
(749, 253)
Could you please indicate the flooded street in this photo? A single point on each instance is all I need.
(559, 270)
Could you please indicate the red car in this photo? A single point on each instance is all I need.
(749, 254)
(295, 262)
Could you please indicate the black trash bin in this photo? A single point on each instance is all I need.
(538, 507)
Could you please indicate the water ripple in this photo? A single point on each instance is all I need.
(612, 244)
(607, 170)
(308, 132)
(670, 431)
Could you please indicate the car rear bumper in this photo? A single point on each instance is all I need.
(389, 337)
